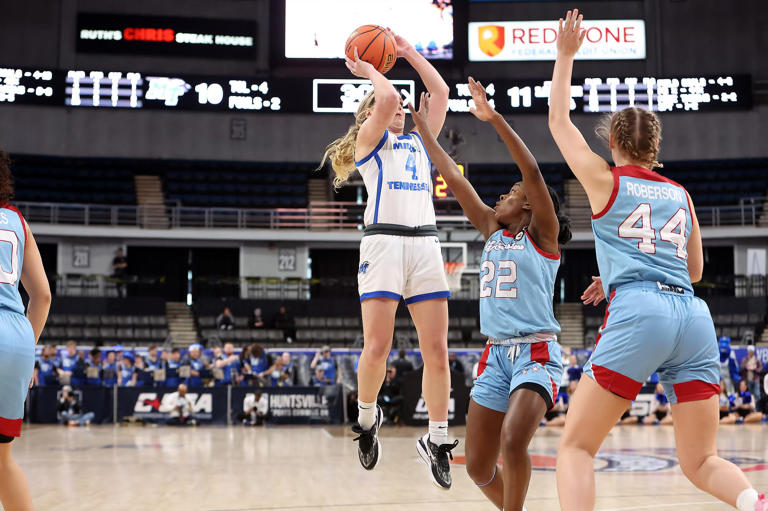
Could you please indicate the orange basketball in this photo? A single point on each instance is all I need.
(374, 45)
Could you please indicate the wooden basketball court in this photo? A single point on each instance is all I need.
(316, 468)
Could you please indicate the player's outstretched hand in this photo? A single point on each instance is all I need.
(570, 35)
(403, 46)
(594, 294)
(482, 109)
(359, 68)
(420, 116)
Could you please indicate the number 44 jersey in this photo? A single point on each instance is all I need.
(517, 281)
(12, 240)
(642, 233)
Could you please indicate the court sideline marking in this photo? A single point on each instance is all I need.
(656, 506)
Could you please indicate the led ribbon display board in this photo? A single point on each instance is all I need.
(161, 91)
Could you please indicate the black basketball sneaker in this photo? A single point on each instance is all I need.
(436, 459)
(368, 445)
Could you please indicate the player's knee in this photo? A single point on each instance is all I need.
(513, 444)
(376, 351)
(479, 470)
(436, 355)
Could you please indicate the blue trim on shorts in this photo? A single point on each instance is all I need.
(375, 150)
(427, 296)
(380, 294)
(378, 189)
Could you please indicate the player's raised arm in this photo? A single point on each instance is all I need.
(436, 86)
(591, 170)
(387, 101)
(481, 216)
(544, 225)
(35, 282)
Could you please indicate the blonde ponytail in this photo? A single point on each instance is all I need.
(341, 151)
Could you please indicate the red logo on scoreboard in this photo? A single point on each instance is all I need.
(161, 35)
(491, 39)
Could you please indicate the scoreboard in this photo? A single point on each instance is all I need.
(161, 91)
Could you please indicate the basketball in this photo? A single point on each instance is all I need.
(374, 45)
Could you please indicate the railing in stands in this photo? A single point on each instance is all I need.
(320, 216)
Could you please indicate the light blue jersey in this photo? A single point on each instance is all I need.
(12, 240)
(642, 233)
(517, 282)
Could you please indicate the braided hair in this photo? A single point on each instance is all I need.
(6, 178)
(635, 132)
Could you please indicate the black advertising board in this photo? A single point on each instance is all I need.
(165, 35)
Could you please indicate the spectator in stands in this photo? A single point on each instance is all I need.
(751, 368)
(255, 409)
(179, 406)
(151, 364)
(727, 415)
(143, 378)
(402, 365)
(197, 366)
(93, 371)
(120, 271)
(454, 364)
(285, 322)
(744, 405)
(257, 321)
(729, 368)
(109, 370)
(325, 362)
(172, 365)
(289, 368)
(229, 363)
(574, 369)
(259, 364)
(319, 379)
(125, 371)
(69, 365)
(225, 321)
(45, 368)
(390, 399)
(556, 416)
(660, 409)
(70, 411)
(278, 377)
(245, 366)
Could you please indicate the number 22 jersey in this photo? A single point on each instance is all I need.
(517, 281)
(642, 233)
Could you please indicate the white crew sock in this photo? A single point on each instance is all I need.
(747, 500)
(366, 414)
(438, 432)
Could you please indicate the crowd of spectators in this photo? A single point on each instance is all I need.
(282, 320)
(170, 368)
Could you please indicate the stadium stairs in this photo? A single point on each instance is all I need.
(570, 317)
(181, 324)
(577, 206)
(149, 195)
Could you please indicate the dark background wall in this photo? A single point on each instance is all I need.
(684, 37)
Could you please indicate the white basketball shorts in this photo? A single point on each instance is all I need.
(396, 267)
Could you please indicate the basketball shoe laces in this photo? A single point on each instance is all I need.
(442, 452)
(364, 436)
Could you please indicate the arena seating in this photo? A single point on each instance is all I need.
(74, 180)
(127, 321)
(238, 185)
(491, 180)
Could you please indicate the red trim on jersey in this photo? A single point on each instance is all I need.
(617, 383)
(540, 251)
(605, 319)
(640, 173)
(10, 427)
(23, 223)
(695, 390)
(507, 234)
(612, 198)
(483, 360)
(540, 352)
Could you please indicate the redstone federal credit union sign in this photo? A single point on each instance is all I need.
(537, 40)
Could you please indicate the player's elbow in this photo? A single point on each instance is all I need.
(41, 296)
(557, 121)
(388, 101)
(441, 92)
(695, 272)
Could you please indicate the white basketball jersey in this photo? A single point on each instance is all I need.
(397, 175)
